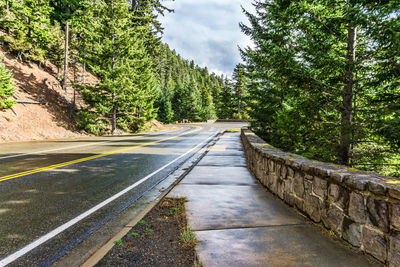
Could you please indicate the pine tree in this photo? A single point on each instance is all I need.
(316, 71)
(226, 105)
(7, 87)
(28, 26)
(125, 94)
(239, 83)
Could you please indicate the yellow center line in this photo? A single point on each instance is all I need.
(55, 166)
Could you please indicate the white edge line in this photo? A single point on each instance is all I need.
(72, 222)
(70, 147)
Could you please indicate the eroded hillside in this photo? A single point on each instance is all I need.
(54, 117)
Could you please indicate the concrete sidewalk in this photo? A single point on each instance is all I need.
(239, 224)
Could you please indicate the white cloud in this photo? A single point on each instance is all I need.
(207, 31)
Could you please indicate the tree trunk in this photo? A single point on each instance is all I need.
(114, 109)
(83, 73)
(346, 126)
(8, 9)
(133, 4)
(114, 118)
(66, 56)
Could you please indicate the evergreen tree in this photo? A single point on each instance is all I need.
(193, 90)
(317, 72)
(239, 81)
(125, 94)
(7, 87)
(226, 105)
(28, 26)
(164, 104)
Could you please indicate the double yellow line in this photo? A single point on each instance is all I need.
(55, 166)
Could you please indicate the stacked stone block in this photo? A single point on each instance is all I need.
(361, 208)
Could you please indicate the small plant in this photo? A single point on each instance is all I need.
(182, 199)
(188, 237)
(149, 231)
(135, 234)
(332, 233)
(142, 222)
(197, 264)
(119, 243)
(174, 211)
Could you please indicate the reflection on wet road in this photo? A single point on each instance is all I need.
(35, 204)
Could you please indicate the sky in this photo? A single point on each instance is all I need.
(207, 31)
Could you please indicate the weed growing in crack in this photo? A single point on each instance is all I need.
(188, 237)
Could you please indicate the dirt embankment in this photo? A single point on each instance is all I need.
(54, 118)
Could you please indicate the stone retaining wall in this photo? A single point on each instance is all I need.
(362, 208)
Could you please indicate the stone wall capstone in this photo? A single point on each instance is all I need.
(361, 208)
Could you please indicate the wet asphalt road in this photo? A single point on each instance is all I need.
(35, 204)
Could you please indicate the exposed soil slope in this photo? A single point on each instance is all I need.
(52, 119)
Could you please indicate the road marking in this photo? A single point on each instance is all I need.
(77, 219)
(55, 166)
(51, 150)
(65, 148)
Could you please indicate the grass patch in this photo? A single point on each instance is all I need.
(174, 211)
(135, 234)
(149, 231)
(188, 237)
(119, 243)
(235, 130)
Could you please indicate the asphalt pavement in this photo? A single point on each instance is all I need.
(56, 194)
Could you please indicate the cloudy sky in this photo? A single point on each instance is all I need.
(207, 31)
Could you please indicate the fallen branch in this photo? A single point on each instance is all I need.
(23, 101)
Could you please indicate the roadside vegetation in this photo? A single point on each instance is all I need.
(323, 80)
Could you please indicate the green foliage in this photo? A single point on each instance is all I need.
(226, 105)
(135, 234)
(310, 94)
(149, 231)
(187, 92)
(174, 211)
(28, 28)
(188, 237)
(119, 243)
(240, 92)
(7, 87)
(116, 54)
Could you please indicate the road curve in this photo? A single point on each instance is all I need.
(44, 186)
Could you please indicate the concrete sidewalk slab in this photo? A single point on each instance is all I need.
(226, 152)
(233, 161)
(212, 175)
(229, 144)
(299, 245)
(232, 206)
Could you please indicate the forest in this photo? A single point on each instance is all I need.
(324, 79)
(140, 78)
